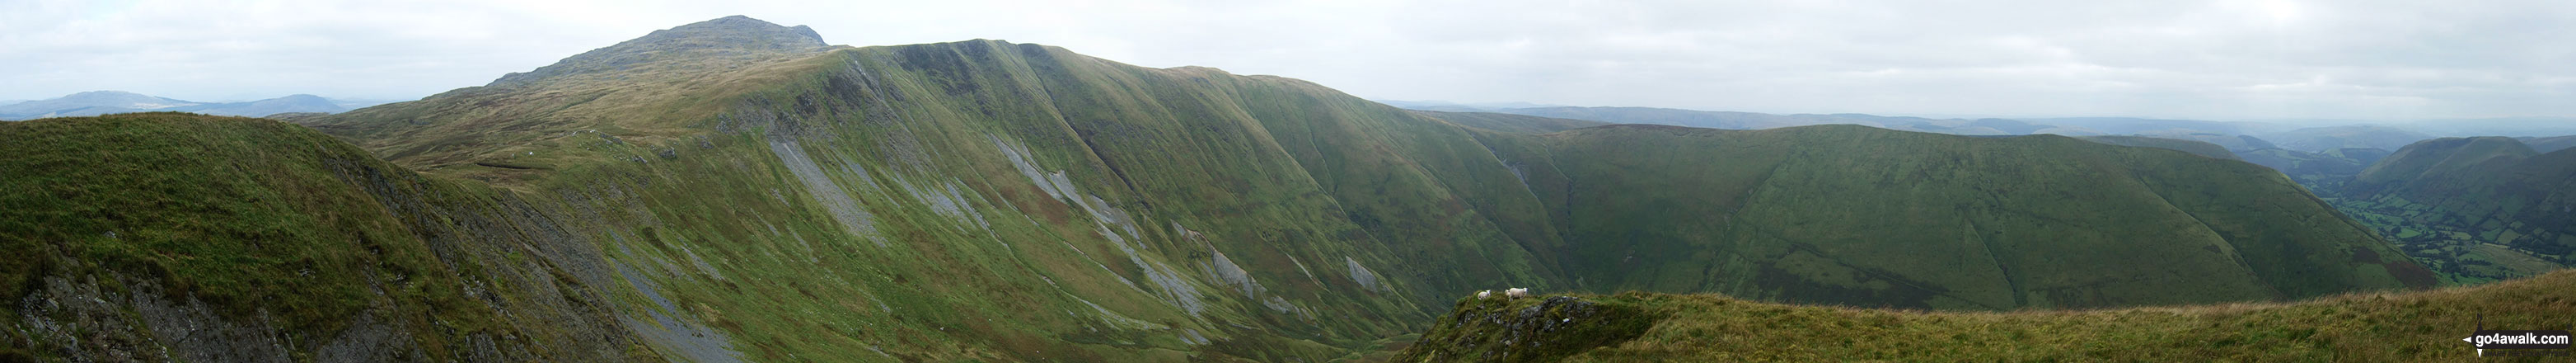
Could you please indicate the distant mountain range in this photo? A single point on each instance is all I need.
(2239, 136)
(95, 103)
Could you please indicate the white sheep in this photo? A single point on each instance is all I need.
(1516, 293)
(1484, 294)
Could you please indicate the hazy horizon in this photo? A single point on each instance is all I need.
(2217, 60)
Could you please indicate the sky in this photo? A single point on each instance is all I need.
(2227, 60)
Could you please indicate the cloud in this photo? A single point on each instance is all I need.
(2225, 59)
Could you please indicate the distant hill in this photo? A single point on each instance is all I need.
(95, 103)
(2475, 209)
(83, 102)
(2497, 126)
(2194, 147)
(2317, 171)
(2549, 144)
(1510, 122)
(2233, 143)
(1754, 121)
(2132, 125)
(1460, 107)
(2317, 139)
(293, 103)
(2432, 160)
(1663, 116)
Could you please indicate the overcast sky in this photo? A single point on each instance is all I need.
(2240, 59)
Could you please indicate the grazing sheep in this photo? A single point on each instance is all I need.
(1484, 294)
(1516, 293)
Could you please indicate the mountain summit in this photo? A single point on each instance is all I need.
(728, 39)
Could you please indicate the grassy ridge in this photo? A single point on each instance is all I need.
(243, 212)
(276, 226)
(2412, 327)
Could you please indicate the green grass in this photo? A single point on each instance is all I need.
(2375, 327)
(249, 215)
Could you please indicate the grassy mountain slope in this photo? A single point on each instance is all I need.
(174, 236)
(1152, 214)
(2412, 164)
(2410, 327)
(1871, 217)
(2475, 209)
(647, 90)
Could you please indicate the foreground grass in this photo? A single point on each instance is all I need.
(252, 216)
(2415, 326)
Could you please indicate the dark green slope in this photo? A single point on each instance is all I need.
(183, 237)
(1863, 216)
(2475, 209)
